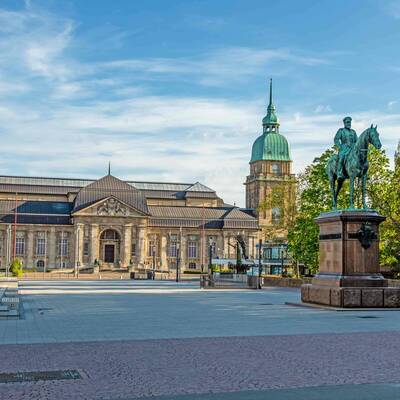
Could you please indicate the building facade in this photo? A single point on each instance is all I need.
(51, 223)
(270, 186)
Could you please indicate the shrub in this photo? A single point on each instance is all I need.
(16, 267)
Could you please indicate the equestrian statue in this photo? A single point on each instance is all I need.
(352, 160)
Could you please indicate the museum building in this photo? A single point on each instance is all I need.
(53, 223)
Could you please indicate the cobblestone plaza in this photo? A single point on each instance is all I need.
(132, 339)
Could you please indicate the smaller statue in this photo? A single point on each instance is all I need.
(242, 244)
(352, 160)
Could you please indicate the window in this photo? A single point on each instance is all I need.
(173, 246)
(276, 215)
(192, 265)
(276, 168)
(152, 248)
(20, 244)
(40, 264)
(63, 247)
(86, 248)
(192, 248)
(109, 234)
(133, 250)
(40, 246)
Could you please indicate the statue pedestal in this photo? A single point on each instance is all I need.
(349, 274)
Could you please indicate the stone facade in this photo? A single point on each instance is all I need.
(117, 225)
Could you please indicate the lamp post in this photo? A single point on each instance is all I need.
(210, 254)
(154, 257)
(178, 258)
(259, 263)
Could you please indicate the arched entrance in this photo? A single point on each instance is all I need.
(110, 246)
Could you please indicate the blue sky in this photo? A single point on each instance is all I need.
(176, 90)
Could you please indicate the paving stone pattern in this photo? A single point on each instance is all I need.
(139, 339)
(129, 369)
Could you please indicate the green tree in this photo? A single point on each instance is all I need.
(314, 197)
(383, 191)
(280, 196)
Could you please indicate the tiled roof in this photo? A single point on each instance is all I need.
(198, 187)
(69, 182)
(210, 217)
(110, 186)
(38, 189)
(63, 186)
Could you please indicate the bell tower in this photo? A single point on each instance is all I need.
(270, 183)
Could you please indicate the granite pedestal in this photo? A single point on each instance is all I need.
(349, 274)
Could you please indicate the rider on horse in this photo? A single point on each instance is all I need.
(345, 139)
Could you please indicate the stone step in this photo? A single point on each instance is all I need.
(9, 313)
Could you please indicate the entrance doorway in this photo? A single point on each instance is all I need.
(109, 253)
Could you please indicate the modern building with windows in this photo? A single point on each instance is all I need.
(51, 223)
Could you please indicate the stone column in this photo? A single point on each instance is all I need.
(141, 246)
(163, 248)
(226, 245)
(126, 246)
(51, 248)
(94, 242)
(79, 236)
(220, 245)
(29, 247)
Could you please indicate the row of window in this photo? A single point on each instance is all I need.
(41, 246)
(192, 248)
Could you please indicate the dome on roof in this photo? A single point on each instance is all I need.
(270, 146)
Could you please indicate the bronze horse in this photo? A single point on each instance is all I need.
(355, 166)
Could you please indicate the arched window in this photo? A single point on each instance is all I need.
(110, 234)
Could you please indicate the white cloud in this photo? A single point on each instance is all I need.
(322, 109)
(67, 117)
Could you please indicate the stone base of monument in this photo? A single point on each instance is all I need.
(349, 275)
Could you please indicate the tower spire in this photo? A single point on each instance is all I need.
(109, 167)
(270, 121)
(270, 92)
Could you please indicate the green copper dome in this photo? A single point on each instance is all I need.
(271, 145)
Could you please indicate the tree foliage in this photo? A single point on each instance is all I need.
(314, 197)
(282, 196)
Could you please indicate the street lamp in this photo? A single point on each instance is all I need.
(154, 257)
(178, 250)
(210, 253)
(259, 263)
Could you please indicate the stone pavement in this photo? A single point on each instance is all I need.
(138, 339)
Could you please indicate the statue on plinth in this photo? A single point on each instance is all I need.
(352, 160)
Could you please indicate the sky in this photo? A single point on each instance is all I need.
(175, 91)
